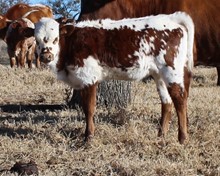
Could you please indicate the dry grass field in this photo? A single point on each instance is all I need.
(125, 143)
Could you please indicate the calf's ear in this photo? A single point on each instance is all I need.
(4, 22)
(66, 30)
(26, 32)
(8, 21)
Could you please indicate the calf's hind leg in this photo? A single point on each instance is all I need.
(166, 107)
(179, 96)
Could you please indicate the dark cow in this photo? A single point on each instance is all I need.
(32, 12)
(20, 47)
(205, 14)
(17, 12)
(86, 53)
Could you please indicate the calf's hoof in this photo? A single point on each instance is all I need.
(88, 138)
(183, 138)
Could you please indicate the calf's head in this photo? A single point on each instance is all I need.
(47, 39)
(48, 33)
(17, 31)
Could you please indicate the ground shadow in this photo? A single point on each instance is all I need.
(13, 108)
(12, 133)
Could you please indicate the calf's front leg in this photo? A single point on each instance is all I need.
(88, 95)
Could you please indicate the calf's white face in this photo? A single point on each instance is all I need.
(47, 39)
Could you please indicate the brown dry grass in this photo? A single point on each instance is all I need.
(126, 141)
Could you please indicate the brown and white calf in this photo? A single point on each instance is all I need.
(21, 48)
(84, 54)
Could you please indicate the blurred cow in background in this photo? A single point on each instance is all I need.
(19, 10)
(31, 12)
(20, 48)
(13, 22)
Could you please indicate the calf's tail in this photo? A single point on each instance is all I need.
(185, 20)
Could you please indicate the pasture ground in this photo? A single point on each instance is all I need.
(125, 141)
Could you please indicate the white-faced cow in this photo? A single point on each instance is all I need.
(205, 15)
(84, 54)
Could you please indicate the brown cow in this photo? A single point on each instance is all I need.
(32, 12)
(205, 14)
(4, 26)
(20, 47)
(19, 10)
(86, 53)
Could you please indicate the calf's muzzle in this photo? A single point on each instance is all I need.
(46, 57)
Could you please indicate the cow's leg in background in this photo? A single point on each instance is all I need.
(13, 62)
(38, 64)
(88, 95)
(31, 56)
(218, 74)
(13, 59)
(29, 59)
(22, 57)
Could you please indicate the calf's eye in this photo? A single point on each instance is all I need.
(55, 40)
(45, 40)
